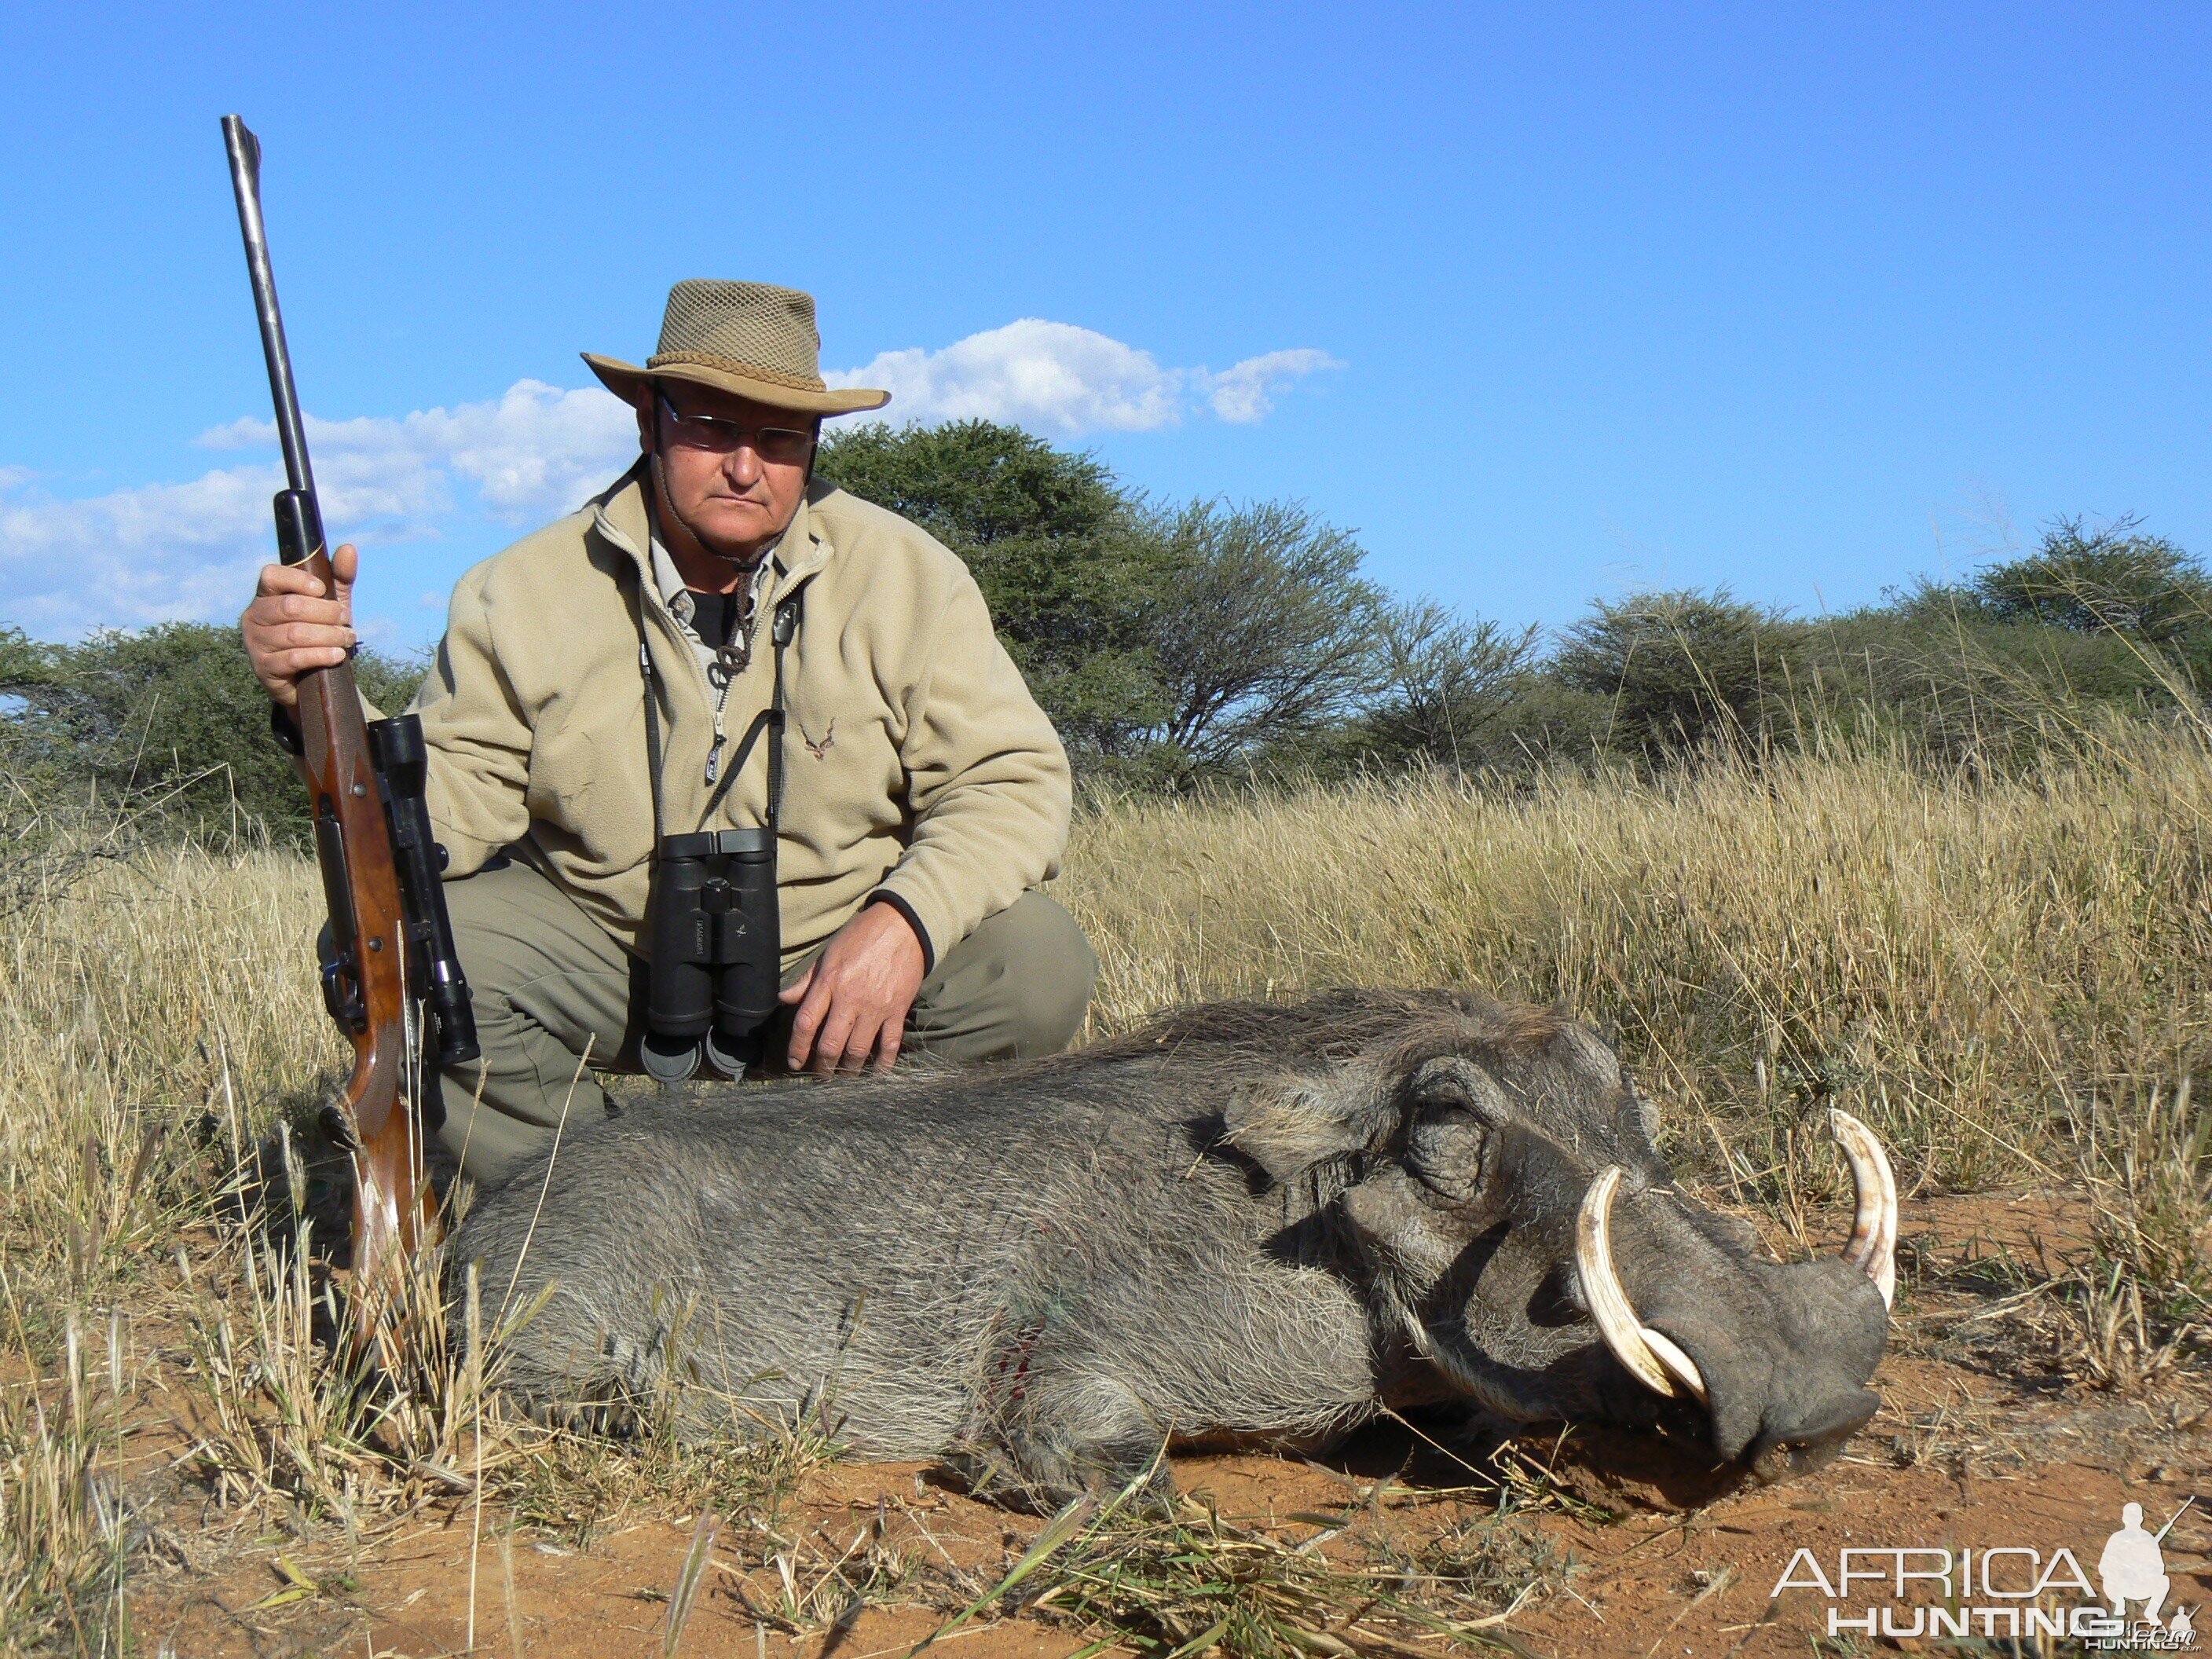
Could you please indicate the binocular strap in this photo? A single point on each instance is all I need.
(770, 718)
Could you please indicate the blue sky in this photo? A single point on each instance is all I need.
(1548, 302)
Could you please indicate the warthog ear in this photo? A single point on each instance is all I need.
(1287, 1124)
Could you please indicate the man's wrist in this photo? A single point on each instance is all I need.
(885, 896)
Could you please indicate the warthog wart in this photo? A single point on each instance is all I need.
(1248, 1222)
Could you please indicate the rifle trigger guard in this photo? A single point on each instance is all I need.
(341, 985)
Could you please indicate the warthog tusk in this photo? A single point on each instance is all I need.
(1873, 1248)
(1652, 1357)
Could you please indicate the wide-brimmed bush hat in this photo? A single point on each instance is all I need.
(752, 338)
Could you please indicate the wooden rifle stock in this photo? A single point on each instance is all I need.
(364, 978)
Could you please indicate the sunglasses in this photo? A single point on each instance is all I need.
(780, 446)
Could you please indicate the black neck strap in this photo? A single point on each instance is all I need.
(771, 720)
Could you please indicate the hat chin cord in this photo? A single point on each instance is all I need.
(667, 499)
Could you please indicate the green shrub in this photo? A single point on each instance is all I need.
(2113, 579)
(166, 723)
(1679, 669)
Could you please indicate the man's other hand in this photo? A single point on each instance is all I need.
(853, 1001)
(292, 626)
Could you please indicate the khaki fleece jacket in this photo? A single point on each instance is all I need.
(916, 764)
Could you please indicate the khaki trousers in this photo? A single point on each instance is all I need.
(548, 982)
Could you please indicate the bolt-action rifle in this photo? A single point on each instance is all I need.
(391, 977)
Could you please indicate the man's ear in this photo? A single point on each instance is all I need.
(648, 423)
(1288, 1123)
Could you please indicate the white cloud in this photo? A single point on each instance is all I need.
(151, 554)
(169, 551)
(1058, 379)
(537, 453)
(1246, 392)
(164, 552)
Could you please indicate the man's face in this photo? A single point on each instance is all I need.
(732, 473)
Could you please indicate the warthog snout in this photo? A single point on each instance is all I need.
(1776, 1356)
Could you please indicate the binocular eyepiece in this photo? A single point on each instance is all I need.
(714, 953)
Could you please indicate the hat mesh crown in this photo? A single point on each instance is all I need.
(755, 325)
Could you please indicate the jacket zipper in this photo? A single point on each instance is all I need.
(690, 655)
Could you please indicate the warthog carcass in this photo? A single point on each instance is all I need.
(1249, 1222)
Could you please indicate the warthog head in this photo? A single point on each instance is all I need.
(1497, 1174)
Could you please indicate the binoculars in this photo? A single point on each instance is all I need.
(714, 953)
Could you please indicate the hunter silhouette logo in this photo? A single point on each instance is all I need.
(2007, 1591)
(2133, 1568)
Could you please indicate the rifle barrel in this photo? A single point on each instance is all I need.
(245, 183)
(2158, 1536)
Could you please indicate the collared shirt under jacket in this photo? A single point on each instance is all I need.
(916, 763)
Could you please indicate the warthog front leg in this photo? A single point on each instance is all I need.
(1049, 1425)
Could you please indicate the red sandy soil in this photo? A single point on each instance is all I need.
(1974, 1447)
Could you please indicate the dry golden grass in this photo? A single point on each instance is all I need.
(1972, 961)
(2010, 976)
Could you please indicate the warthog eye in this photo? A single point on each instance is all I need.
(1444, 1146)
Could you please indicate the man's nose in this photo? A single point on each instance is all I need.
(743, 466)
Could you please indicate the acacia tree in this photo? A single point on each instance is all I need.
(1163, 642)
(1058, 549)
(1446, 682)
(1269, 635)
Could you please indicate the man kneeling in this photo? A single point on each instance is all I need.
(718, 642)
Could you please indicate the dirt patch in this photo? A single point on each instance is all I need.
(1625, 1545)
(1698, 1583)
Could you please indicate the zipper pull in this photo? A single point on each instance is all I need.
(714, 758)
